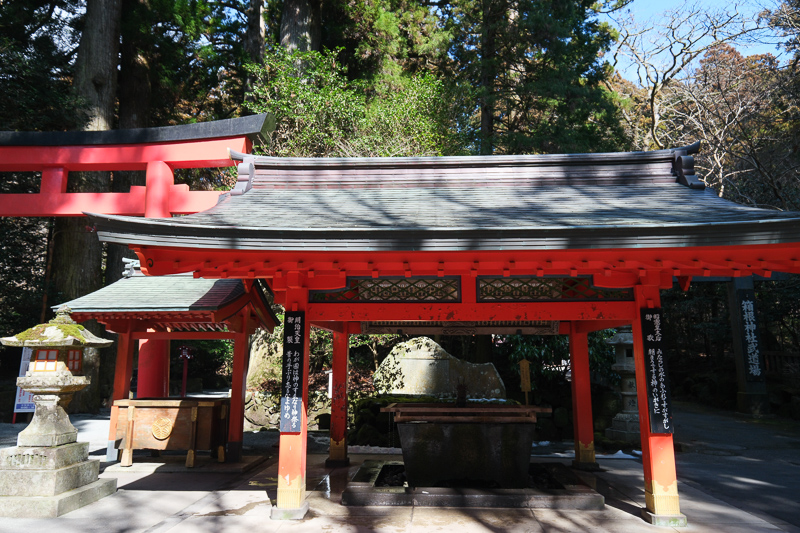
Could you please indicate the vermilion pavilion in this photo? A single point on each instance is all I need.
(584, 241)
(154, 311)
(579, 242)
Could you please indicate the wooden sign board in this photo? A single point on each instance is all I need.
(293, 379)
(659, 401)
(525, 375)
(753, 360)
(24, 399)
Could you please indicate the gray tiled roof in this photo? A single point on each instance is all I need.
(473, 203)
(141, 293)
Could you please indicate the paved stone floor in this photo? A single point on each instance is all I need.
(735, 475)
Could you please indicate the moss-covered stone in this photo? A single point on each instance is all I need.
(61, 331)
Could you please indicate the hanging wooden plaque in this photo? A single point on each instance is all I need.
(294, 379)
(659, 400)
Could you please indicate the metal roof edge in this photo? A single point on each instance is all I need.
(777, 231)
(154, 225)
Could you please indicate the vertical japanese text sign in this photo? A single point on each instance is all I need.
(24, 401)
(293, 377)
(659, 400)
(753, 361)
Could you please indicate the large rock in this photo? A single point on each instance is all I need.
(422, 367)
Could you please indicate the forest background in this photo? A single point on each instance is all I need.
(409, 78)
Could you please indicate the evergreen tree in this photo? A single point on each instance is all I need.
(37, 44)
(539, 73)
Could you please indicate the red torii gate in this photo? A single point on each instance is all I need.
(158, 152)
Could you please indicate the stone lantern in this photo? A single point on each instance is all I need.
(625, 425)
(48, 473)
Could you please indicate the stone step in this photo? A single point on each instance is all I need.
(40, 482)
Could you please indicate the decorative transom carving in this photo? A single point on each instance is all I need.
(444, 289)
(491, 289)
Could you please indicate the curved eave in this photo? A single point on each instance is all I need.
(159, 232)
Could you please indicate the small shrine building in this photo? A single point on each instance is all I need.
(156, 310)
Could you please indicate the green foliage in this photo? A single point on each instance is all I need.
(383, 39)
(550, 359)
(37, 42)
(315, 105)
(210, 360)
(193, 55)
(779, 314)
(320, 113)
(539, 74)
(36, 46)
(698, 321)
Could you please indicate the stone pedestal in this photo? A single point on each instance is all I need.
(48, 481)
(48, 473)
(50, 425)
(625, 425)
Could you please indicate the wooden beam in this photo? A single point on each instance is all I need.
(183, 335)
(457, 312)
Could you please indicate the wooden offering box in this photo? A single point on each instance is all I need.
(172, 424)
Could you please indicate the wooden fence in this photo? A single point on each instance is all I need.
(782, 362)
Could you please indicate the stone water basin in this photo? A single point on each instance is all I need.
(446, 445)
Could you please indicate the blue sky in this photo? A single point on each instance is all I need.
(643, 10)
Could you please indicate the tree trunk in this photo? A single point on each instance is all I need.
(256, 31)
(300, 25)
(78, 254)
(96, 63)
(134, 112)
(488, 74)
(254, 41)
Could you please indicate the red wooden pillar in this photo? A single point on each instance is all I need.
(658, 453)
(583, 424)
(241, 361)
(341, 358)
(291, 504)
(159, 179)
(153, 379)
(122, 386)
(153, 373)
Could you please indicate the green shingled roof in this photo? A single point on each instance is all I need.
(140, 293)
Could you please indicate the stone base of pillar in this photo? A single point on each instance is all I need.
(586, 466)
(585, 457)
(753, 404)
(289, 514)
(337, 457)
(665, 520)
